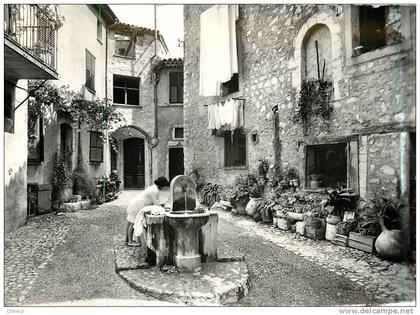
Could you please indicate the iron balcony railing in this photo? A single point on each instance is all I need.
(34, 29)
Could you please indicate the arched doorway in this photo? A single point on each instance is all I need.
(134, 172)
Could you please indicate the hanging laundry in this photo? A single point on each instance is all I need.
(217, 122)
(211, 117)
(223, 113)
(227, 116)
(218, 52)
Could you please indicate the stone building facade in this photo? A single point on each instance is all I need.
(145, 135)
(81, 45)
(371, 129)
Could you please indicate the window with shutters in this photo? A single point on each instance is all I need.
(126, 90)
(333, 165)
(90, 71)
(95, 147)
(235, 148)
(176, 87)
(36, 145)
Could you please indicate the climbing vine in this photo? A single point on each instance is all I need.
(313, 100)
(44, 101)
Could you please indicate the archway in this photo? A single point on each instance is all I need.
(132, 158)
(134, 163)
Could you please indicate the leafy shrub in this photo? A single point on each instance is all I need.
(211, 193)
(248, 185)
(60, 180)
(80, 182)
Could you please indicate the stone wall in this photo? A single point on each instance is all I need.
(143, 116)
(169, 117)
(373, 93)
(15, 154)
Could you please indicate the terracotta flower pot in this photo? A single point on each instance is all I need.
(389, 244)
(252, 206)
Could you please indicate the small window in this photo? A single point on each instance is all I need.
(9, 106)
(176, 87)
(327, 164)
(36, 145)
(90, 71)
(232, 85)
(99, 28)
(372, 27)
(124, 45)
(178, 133)
(96, 147)
(235, 148)
(126, 90)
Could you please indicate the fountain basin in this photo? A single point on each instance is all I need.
(187, 219)
(187, 225)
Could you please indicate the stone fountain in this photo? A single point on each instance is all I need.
(186, 223)
(187, 238)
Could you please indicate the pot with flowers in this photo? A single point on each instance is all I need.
(246, 186)
(315, 221)
(256, 190)
(291, 173)
(337, 203)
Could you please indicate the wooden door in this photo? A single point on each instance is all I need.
(176, 162)
(134, 163)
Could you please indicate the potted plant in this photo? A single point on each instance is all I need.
(389, 243)
(314, 181)
(248, 188)
(368, 228)
(291, 174)
(211, 194)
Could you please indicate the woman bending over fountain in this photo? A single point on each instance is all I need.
(148, 197)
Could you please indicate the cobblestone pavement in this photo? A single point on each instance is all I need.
(69, 260)
(384, 281)
(28, 250)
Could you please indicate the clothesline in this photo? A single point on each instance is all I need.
(233, 98)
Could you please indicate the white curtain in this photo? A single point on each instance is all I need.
(218, 54)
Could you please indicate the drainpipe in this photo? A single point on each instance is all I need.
(154, 139)
(155, 79)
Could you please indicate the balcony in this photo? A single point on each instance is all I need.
(30, 42)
